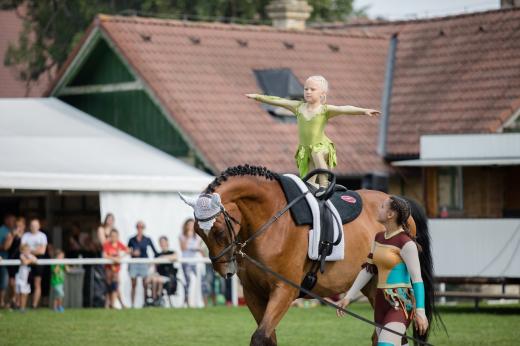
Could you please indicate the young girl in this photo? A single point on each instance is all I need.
(57, 281)
(112, 249)
(400, 295)
(23, 288)
(315, 150)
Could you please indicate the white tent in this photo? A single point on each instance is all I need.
(46, 144)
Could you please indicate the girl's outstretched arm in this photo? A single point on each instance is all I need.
(276, 101)
(350, 110)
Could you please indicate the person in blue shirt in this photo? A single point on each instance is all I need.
(9, 224)
(138, 249)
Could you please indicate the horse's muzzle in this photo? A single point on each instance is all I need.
(227, 270)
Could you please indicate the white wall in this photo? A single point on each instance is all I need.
(476, 247)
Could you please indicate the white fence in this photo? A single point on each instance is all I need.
(194, 296)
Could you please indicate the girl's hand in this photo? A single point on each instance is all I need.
(420, 321)
(343, 303)
(251, 96)
(372, 112)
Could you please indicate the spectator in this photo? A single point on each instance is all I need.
(105, 228)
(57, 281)
(209, 281)
(138, 246)
(166, 273)
(13, 241)
(112, 249)
(23, 289)
(190, 247)
(37, 242)
(5, 230)
(74, 247)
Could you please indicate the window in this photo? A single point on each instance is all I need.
(281, 83)
(450, 189)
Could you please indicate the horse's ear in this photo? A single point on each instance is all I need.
(189, 201)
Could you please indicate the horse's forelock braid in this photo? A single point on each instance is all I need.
(241, 171)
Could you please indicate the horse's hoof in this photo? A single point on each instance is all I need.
(260, 339)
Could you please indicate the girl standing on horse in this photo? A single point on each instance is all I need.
(400, 296)
(315, 150)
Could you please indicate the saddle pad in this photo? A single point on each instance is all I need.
(338, 251)
(348, 203)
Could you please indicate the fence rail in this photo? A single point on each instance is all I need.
(94, 261)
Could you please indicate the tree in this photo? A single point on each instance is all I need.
(53, 27)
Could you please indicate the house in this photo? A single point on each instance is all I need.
(180, 87)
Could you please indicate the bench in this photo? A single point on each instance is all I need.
(477, 296)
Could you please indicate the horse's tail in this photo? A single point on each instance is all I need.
(426, 260)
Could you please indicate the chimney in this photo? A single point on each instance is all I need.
(289, 14)
(509, 3)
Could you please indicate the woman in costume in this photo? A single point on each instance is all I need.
(400, 296)
(315, 149)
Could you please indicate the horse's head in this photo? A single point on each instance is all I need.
(218, 226)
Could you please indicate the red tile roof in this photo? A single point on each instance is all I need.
(10, 84)
(202, 85)
(458, 74)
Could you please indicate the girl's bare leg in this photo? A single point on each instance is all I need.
(313, 180)
(23, 301)
(319, 159)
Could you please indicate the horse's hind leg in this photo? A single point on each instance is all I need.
(279, 302)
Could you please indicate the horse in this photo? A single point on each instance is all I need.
(247, 197)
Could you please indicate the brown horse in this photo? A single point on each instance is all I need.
(250, 197)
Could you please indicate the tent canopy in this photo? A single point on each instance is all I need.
(47, 144)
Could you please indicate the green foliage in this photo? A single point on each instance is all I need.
(53, 27)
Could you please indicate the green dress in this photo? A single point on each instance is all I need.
(312, 139)
(311, 133)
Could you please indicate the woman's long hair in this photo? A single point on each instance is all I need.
(404, 208)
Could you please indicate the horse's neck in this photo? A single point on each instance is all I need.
(256, 197)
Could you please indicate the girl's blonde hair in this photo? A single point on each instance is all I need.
(324, 85)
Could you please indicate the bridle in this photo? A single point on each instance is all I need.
(235, 243)
(229, 227)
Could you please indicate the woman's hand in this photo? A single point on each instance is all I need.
(372, 112)
(343, 303)
(420, 321)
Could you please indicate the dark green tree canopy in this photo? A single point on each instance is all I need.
(53, 27)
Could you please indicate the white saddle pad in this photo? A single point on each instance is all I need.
(338, 251)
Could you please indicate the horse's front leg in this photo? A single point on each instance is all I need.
(279, 302)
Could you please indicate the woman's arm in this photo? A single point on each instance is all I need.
(8, 241)
(410, 256)
(276, 101)
(350, 110)
(362, 279)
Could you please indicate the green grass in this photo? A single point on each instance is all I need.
(234, 326)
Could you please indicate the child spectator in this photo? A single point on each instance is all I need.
(57, 280)
(112, 250)
(166, 272)
(23, 289)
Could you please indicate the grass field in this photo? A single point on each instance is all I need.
(233, 326)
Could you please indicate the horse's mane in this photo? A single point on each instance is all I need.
(255, 171)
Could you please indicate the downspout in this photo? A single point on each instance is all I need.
(387, 97)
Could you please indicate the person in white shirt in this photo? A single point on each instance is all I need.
(37, 242)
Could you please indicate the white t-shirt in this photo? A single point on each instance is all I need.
(34, 240)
